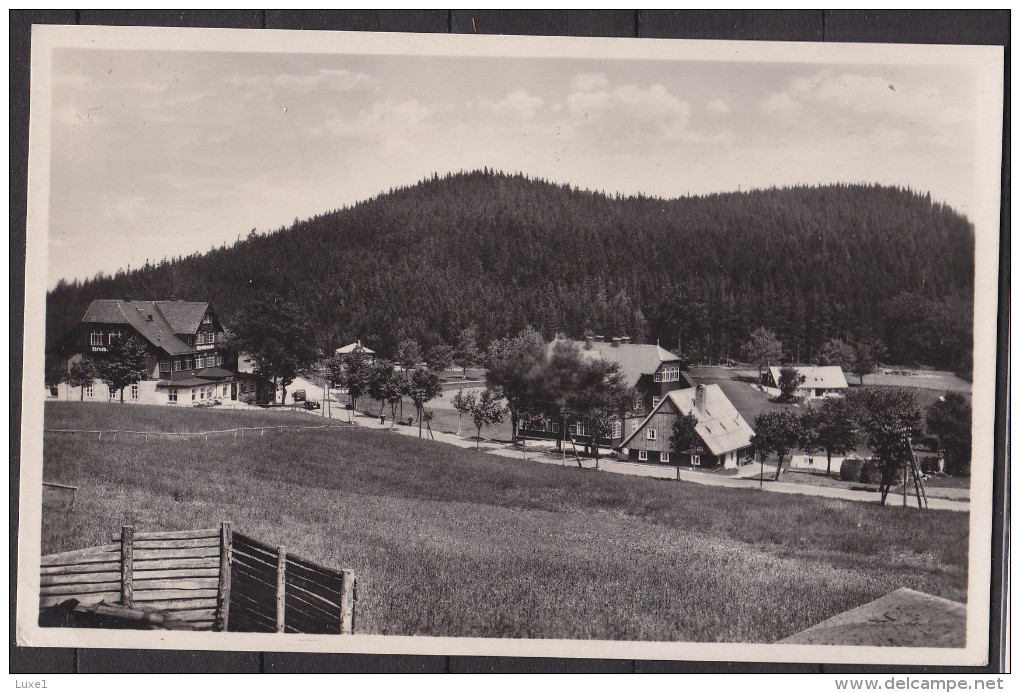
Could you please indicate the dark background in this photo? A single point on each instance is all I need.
(987, 27)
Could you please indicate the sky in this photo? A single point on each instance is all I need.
(163, 153)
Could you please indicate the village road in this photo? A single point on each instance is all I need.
(544, 452)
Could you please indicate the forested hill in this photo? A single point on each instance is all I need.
(503, 251)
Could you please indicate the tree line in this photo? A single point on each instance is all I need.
(886, 419)
(502, 252)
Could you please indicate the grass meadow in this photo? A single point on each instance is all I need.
(452, 542)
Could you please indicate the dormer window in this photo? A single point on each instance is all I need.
(667, 374)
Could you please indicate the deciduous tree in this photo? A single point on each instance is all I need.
(123, 364)
(891, 419)
(789, 380)
(485, 410)
(439, 358)
(949, 420)
(867, 352)
(831, 428)
(277, 336)
(762, 349)
(466, 350)
(516, 368)
(776, 432)
(423, 387)
(836, 352)
(597, 399)
(82, 373)
(684, 438)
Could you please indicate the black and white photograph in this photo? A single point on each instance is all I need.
(502, 345)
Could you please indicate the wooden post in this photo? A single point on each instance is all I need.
(281, 587)
(127, 540)
(347, 587)
(223, 588)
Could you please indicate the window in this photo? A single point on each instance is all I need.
(634, 425)
(134, 391)
(171, 395)
(556, 428)
(224, 390)
(655, 401)
(188, 364)
(177, 364)
(200, 338)
(617, 429)
(193, 394)
(696, 460)
(201, 393)
(113, 393)
(88, 391)
(199, 362)
(650, 434)
(113, 336)
(97, 338)
(578, 429)
(667, 374)
(219, 359)
(642, 455)
(664, 457)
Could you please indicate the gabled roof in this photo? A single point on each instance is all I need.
(184, 316)
(354, 347)
(720, 425)
(815, 376)
(146, 317)
(635, 359)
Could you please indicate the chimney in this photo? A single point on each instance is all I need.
(616, 342)
(625, 340)
(699, 397)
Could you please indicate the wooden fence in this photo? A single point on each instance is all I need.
(210, 579)
(271, 590)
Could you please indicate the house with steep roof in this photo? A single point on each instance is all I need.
(648, 369)
(819, 381)
(188, 359)
(724, 437)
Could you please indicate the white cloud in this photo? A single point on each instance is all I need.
(631, 110)
(321, 80)
(519, 102)
(718, 106)
(388, 117)
(589, 81)
(779, 102)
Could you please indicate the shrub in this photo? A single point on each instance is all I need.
(851, 469)
(871, 473)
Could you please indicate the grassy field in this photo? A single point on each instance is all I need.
(450, 542)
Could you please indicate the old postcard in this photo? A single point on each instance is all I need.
(613, 348)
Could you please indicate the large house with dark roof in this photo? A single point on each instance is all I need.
(189, 362)
(648, 369)
(724, 437)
